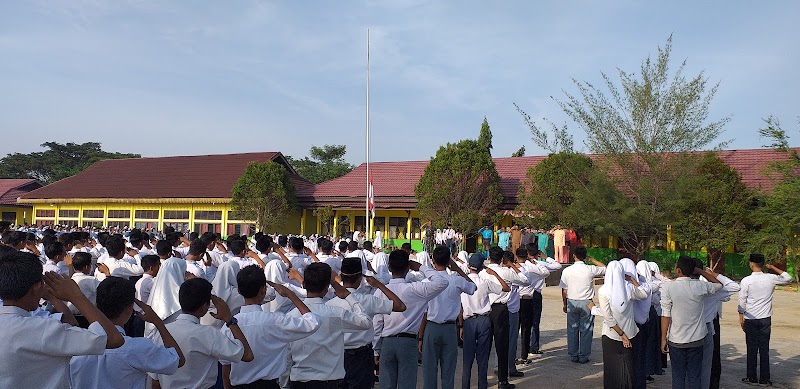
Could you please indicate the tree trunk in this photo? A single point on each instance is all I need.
(716, 260)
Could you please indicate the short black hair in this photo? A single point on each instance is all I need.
(297, 244)
(197, 247)
(19, 272)
(250, 280)
(343, 246)
(236, 246)
(317, 277)
(81, 260)
(522, 252)
(508, 256)
(193, 294)
(150, 261)
(406, 246)
(115, 245)
(398, 260)
(163, 248)
(263, 243)
(686, 264)
(114, 295)
(208, 237)
(325, 245)
(283, 240)
(67, 239)
(496, 254)
(14, 238)
(367, 245)
(102, 238)
(580, 252)
(698, 263)
(194, 235)
(53, 250)
(441, 255)
(532, 249)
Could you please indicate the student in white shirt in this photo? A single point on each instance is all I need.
(151, 264)
(35, 352)
(81, 263)
(225, 287)
(617, 294)
(195, 257)
(577, 290)
(203, 346)
(318, 360)
(538, 267)
(238, 252)
(297, 255)
(358, 352)
(268, 333)
(683, 330)
(56, 256)
(397, 332)
(438, 335)
(117, 264)
(755, 314)
(327, 256)
(476, 326)
(126, 366)
(499, 313)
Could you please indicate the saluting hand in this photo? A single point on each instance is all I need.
(147, 313)
(223, 312)
(280, 289)
(62, 288)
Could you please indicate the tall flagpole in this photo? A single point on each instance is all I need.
(367, 218)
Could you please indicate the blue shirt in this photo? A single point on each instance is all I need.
(486, 233)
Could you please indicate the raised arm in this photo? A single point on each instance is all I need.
(397, 304)
(147, 314)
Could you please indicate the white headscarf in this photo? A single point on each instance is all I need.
(462, 255)
(643, 267)
(629, 267)
(615, 286)
(164, 295)
(424, 258)
(654, 267)
(225, 286)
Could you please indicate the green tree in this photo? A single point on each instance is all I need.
(57, 162)
(776, 233)
(645, 126)
(519, 153)
(714, 210)
(460, 185)
(325, 216)
(264, 193)
(485, 137)
(326, 163)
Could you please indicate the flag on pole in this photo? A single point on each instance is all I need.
(371, 198)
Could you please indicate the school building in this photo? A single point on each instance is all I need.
(192, 193)
(10, 190)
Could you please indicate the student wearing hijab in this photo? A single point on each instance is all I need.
(651, 357)
(659, 358)
(224, 287)
(619, 326)
(641, 314)
(164, 295)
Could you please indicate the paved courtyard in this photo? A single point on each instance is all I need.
(554, 370)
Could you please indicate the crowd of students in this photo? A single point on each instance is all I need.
(132, 310)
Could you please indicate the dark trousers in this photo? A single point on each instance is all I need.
(653, 344)
(525, 325)
(617, 364)
(358, 367)
(260, 384)
(333, 384)
(639, 351)
(756, 333)
(499, 317)
(716, 361)
(687, 366)
(477, 346)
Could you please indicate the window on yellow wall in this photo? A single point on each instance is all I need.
(92, 213)
(146, 214)
(9, 217)
(208, 215)
(68, 213)
(176, 215)
(45, 213)
(119, 214)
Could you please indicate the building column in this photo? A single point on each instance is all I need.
(319, 225)
(335, 232)
(408, 226)
(303, 223)
(371, 233)
(352, 218)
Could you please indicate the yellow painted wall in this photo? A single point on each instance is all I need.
(292, 225)
(24, 215)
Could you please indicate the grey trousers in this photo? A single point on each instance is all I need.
(580, 328)
(439, 350)
(398, 364)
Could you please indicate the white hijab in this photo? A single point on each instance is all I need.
(424, 258)
(615, 286)
(643, 267)
(164, 295)
(225, 285)
(629, 267)
(462, 255)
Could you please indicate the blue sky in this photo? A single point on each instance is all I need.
(206, 77)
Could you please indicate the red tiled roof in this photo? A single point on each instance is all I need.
(11, 188)
(202, 176)
(394, 182)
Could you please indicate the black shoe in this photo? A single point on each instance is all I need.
(750, 381)
(521, 361)
(574, 359)
(650, 378)
(516, 374)
(583, 362)
(765, 382)
(536, 352)
(505, 385)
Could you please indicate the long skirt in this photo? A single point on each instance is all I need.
(653, 354)
(617, 365)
